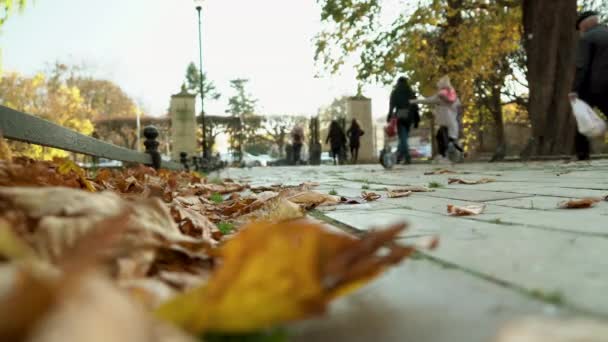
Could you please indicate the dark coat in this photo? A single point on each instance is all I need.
(591, 79)
(354, 135)
(336, 138)
(400, 98)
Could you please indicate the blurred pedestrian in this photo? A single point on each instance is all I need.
(591, 80)
(407, 115)
(354, 134)
(337, 141)
(447, 112)
(297, 140)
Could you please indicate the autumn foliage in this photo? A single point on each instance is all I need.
(143, 246)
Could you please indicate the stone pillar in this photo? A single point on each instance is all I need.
(360, 108)
(183, 125)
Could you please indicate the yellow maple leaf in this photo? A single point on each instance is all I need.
(68, 166)
(272, 273)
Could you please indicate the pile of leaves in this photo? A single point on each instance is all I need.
(143, 255)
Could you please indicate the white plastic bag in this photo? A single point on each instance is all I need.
(588, 122)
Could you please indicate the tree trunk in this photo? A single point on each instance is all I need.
(496, 109)
(550, 40)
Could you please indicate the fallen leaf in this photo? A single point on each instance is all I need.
(468, 182)
(68, 166)
(579, 203)
(312, 199)
(370, 196)
(349, 200)
(5, 150)
(275, 210)
(411, 188)
(192, 223)
(439, 172)
(276, 273)
(399, 193)
(465, 210)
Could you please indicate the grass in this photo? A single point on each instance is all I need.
(333, 192)
(225, 227)
(216, 198)
(216, 181)
(553, 297)
(435, 185)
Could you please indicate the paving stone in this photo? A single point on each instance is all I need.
(549, 261)
(521, 239)
(420, 301)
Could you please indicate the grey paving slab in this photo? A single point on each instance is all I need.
(521, 239)
(420, 301)
(551, 262)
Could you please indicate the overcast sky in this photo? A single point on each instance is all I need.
(145, 46)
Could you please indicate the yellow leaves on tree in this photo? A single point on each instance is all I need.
(37, 95)
(276, 273)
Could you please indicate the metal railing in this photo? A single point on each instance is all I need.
(27, 128)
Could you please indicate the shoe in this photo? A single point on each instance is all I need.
(440, 160)
(453, 154)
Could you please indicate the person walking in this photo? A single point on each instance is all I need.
(407, 115)
(354, 134)
(337, 140)
(297, 140)
(447, 112)
(591, 80)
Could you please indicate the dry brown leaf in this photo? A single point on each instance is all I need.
(469, 182)
(583, 203)
(192, 223)
(465, 210)
(275, 210)
(553, 330)
(312, 199)
(348, 200)
(411, 188)
(370, 196)
(399, 194)
(440, 172)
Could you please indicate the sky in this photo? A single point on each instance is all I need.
(145, 46)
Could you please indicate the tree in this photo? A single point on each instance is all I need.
(461, 38)
(38, 95)
(104, 99)
(335, 110)
(277, 129)
(550, 48)
(7, 6)
(241, 105)
(193, 85)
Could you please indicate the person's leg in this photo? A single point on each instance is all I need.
(406, 146)
(442, 145)
(583, 146)
(335, 153)
(403, 136)
(297, 149)
(356, 154)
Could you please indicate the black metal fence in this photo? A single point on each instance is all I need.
(27, 128)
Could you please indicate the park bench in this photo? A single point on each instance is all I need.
(28, 128)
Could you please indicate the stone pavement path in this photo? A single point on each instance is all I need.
(522, 256)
